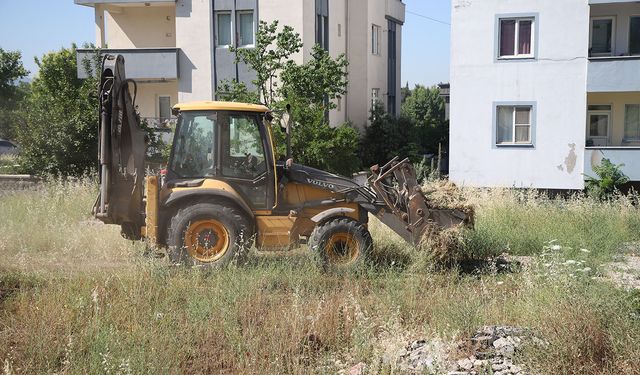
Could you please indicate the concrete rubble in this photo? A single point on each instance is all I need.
(493, 352)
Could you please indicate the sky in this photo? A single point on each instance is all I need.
(36, 27)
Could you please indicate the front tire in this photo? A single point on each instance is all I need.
(208, 235)
(340, 244)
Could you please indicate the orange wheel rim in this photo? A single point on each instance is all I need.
(342, 248)
(206, 240)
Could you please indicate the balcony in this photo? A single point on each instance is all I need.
(613, 74)
(614, 46)
(629, 156)
(141, 64)
(395, 10)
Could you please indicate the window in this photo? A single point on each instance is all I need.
(392, 68)
(223, 35)
(245, 29)
(375, 39)
(634, 35)
(322, 31)
(164, 108)
(375, 97)
(243, 152)
(599, 117)
(516, 37)
(513, 125)
(322, 23)
(602, 36)
(632, 122)
(193, 155)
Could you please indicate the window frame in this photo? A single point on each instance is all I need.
(229, 13)
(375, 39)
(624, 133)
(160, 109)
(613, 35)
(534, 33)
(226, 121)
(237, 29)
(375, 99)
(599, 112)
(629, 35)
(532, 125)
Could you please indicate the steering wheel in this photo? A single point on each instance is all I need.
(249, 163)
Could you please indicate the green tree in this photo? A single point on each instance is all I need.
(387, 137)
(425, 108)
(308, 89)
(59, 136)
(273, 50)
(12, 92)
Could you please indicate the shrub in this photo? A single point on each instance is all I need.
(610, 179)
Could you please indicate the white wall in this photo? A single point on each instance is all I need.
(194, 37)
(377, 75)
(141, 27)
(289, 13)
(338, 24)
(556, 82)
(148, 93)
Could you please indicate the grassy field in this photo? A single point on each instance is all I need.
(77, 298)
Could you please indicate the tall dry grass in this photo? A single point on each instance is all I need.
(51, 230)
(76, 298)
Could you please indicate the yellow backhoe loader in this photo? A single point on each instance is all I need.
(225, 190)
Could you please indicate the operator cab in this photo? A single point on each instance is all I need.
(227, 142)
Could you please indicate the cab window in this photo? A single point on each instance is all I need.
(193, 154)
(243, 150)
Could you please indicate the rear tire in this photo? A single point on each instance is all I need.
(208, 235)
(341, 244)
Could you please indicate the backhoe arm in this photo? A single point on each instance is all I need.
(121, 152)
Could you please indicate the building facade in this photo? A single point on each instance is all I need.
(542, 91)
(178, 50)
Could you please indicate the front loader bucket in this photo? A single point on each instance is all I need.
(410, 214)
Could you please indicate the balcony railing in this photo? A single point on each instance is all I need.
(613, 74)
(159, 64)
(629, 156)
(160, 124)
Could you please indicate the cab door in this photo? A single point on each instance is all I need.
(244, 160)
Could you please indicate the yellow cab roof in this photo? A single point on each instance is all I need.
(220, 106)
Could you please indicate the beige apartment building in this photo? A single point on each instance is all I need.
(178, 50)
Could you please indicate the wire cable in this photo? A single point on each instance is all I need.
(429, 18)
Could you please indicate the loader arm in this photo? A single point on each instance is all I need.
(393, 195)
(122, 150)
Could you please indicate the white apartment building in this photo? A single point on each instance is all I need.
(543, 90)
(178, 50)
